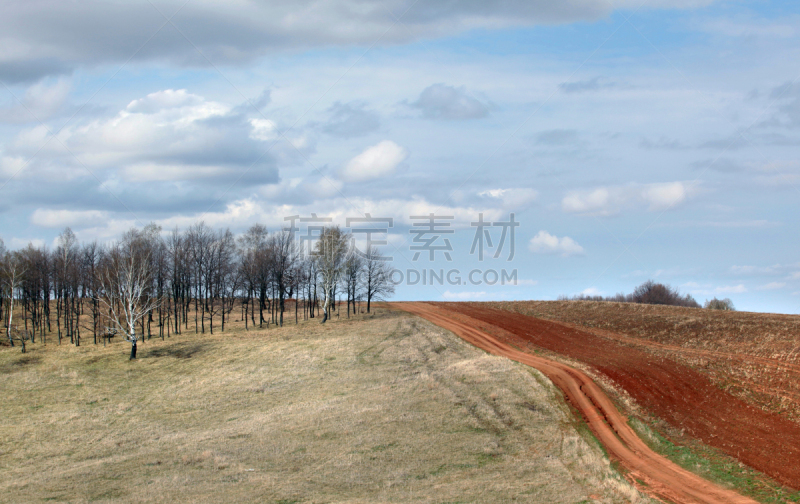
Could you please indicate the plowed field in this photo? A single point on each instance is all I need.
(684, 397)
(754, 356)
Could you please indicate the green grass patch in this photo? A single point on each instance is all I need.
(715, 466)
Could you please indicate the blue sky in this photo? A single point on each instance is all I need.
(632, 140)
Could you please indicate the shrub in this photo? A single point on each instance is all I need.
(647, 293)
(719, 304)
(656, 293)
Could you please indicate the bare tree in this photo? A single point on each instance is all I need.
(124, 284)
(254, 266)
(285, 259)
(351, 280)
(377, 276)
(66, 284)
(330, 255)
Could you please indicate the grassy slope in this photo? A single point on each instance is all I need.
(383, 409)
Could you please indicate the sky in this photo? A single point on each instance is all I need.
(631, 140)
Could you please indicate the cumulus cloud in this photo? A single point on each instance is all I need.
(664, 196)
(41, 101)
(545, 243)
(273, 203)
(440, 101)
(377, 161)
(168, 135)
(611, 200)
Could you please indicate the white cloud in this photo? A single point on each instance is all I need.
(169, 135)
(592, 291)
(63, 218)
(271, 205)
(603, 201)
(612, 200)
(664, 196)
(163, 100)
(378, 161)
(772, 286)
(263, 130)
(545, 243)
(511, 199)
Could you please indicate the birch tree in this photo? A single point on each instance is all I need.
(125, 284)
(330, 255)
(12, 274)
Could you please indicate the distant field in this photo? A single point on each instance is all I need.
(384, 408)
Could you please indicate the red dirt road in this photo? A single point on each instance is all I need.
(664, 479)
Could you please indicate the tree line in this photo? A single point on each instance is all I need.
(150, 283)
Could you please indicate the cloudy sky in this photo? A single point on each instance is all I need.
(632, 139)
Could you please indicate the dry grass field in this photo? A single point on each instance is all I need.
(380, 408)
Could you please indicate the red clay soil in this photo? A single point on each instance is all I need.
(663, 478)
(683, 397)
(754, 356)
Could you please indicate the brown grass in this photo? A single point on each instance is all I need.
(385, 408)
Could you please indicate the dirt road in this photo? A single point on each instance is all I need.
(663, 478)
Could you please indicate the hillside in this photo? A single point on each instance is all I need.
(387, 408)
